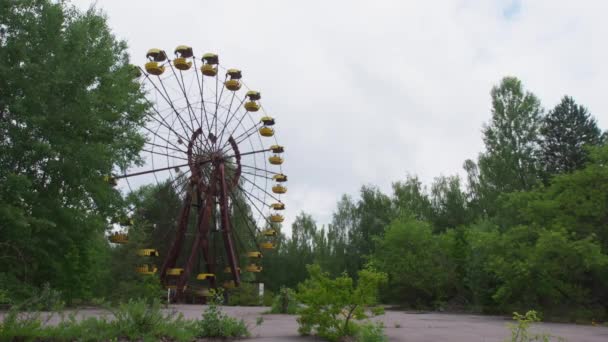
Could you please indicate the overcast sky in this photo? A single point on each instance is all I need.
(366, 92)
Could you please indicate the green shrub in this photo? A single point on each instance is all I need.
(520, 331)
(371, 332)
(330, 305)
(20, 326)
(215, 323)
(285, 302)
(5, 300)
(44, 299)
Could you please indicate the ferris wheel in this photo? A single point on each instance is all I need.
(209, 137)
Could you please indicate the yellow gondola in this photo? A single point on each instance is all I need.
(146, 269)
(251, 106)
(147, 252)
(254, 255)
(235, 74)
(229, 284)
(253, 95)
(154, 68)
(175, 271)
(203, 276)
(277, 149)
(279, 189)
(210, 60)
(119, 238)
(270, 232)
(253, 268)
(267, 121)
(156, 55)
(233, 82)
(266, 131)
(233, 85)
(280, 178)
(276, 218)
(267, 245)
(181, 63)
(278, 206)
(184, 51)
(275, 160)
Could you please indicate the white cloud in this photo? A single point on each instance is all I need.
(368, 91)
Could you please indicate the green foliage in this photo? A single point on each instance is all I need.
(45, 299)
(70, 113)
(215, 323)
(371, 332)
(520, 331)
(329, 304)
(285, 302)
(135, 320)
(244, 295)
(567, 130)
(417, 262)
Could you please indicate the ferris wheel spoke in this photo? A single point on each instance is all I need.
(164, 123)
(262, 189)
(261, 170)
(251, 195)
(251, 131)
(169, 148)
(217, 101)
(251, 152)
(256, 175)
(148, 171)
(200, 88)
(163, 154)
(155, 134)
(168, 100)
(182, 86)
(229, 117)
(254, 205)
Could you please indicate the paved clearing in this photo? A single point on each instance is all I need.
(413, 327)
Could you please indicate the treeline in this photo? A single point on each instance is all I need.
(527, 228)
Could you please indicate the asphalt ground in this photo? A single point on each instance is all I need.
(399, 326)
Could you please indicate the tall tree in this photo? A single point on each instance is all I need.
(566, 130)
(448, 204)
(511, 141)
(374, 212)
(70, 112)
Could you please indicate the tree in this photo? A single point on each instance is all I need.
(410, 198)
(566, 130)
(416, 261)
(448, 204)
(511, 141)
(330, 305)
(70, 112)
(374, 212)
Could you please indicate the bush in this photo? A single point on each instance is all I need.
(215, 323)
(520, 333)
(44, 299)
(329, 305)
(371, 332)
(285, 302)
